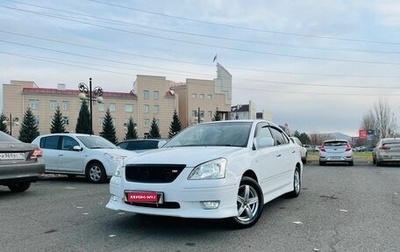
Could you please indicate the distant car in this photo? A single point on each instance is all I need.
(80, 154)
(20, 163)
(387, 150)
(141, 145)
(301, 148)
(215, 170)
(337, 151)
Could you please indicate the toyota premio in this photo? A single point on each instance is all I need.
(217, 170)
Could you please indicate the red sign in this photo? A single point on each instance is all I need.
(363, 134)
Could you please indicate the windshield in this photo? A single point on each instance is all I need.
(213, 134)
(96, 142)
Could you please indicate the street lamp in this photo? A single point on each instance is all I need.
(95, 95)
(12, 121)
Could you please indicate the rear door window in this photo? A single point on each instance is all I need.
(50, 142)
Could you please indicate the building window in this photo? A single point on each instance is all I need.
(65, 120)
(101, 106)
(209, 96)
(146, 108)
(201, 96)
(53, 104)
(209, 113)
(156, 109)
(33, 104)
(156, 95)
(146, 123)
(65, 105)
(194, 96)
(146, 94)
(194, 113)
(37, 119)
(128, 107)
(112, 107)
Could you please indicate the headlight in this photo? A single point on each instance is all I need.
(214, 169)
(118, 170)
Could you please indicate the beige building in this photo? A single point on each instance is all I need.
(151, 97)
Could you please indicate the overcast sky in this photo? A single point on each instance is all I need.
(316, 65)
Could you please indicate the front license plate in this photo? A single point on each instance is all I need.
(144, 197)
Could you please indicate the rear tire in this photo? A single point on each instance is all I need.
(19, 187)
(321, 163)
(351, 163)
(296, 184)
(250, 203)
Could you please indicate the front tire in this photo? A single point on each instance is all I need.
(19, 187)
(250, 203)
(96, 173)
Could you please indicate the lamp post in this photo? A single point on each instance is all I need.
(12, 121)
(95, 95)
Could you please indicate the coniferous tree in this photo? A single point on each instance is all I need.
(83, 122)
(3, 124)
(131, 132)
(217, 116)
(109, 128)
(29, 128)
(154, 129)
(175, 126)
(57, 123)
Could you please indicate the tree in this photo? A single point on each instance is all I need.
(3, 124)
(83, 122)
(304, 138)
(154, 129)
(217, 116)
(29, 128)
(384, 118)
(131, 132)
(109, 128)
(57, 123)
(175, 126)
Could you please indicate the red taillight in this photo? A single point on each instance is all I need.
(348, 147)
(322, 148)
(384, 148)
(36, 153)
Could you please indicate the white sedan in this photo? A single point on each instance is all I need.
(223, 169)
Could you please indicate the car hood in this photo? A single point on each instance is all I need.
(120, 152)
(191, 156)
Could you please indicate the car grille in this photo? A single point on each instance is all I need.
(153, 173)
(165, 205)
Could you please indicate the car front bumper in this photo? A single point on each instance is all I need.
(188, 195)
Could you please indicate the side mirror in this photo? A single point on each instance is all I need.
(77, 148)
(264, 142)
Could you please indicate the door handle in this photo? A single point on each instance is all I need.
(278, 155)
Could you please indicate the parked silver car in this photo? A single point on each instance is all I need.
(336, 151)
(20, 163)
(386, 151)
(80, 154)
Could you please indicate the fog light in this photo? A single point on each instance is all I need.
(210, 204)
(114, 198)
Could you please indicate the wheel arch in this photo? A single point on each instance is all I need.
(250, 174)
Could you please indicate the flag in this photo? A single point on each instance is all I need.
(215, 58)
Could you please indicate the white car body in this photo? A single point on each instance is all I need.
(66, 153)
(180, 180)
(301, 148)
